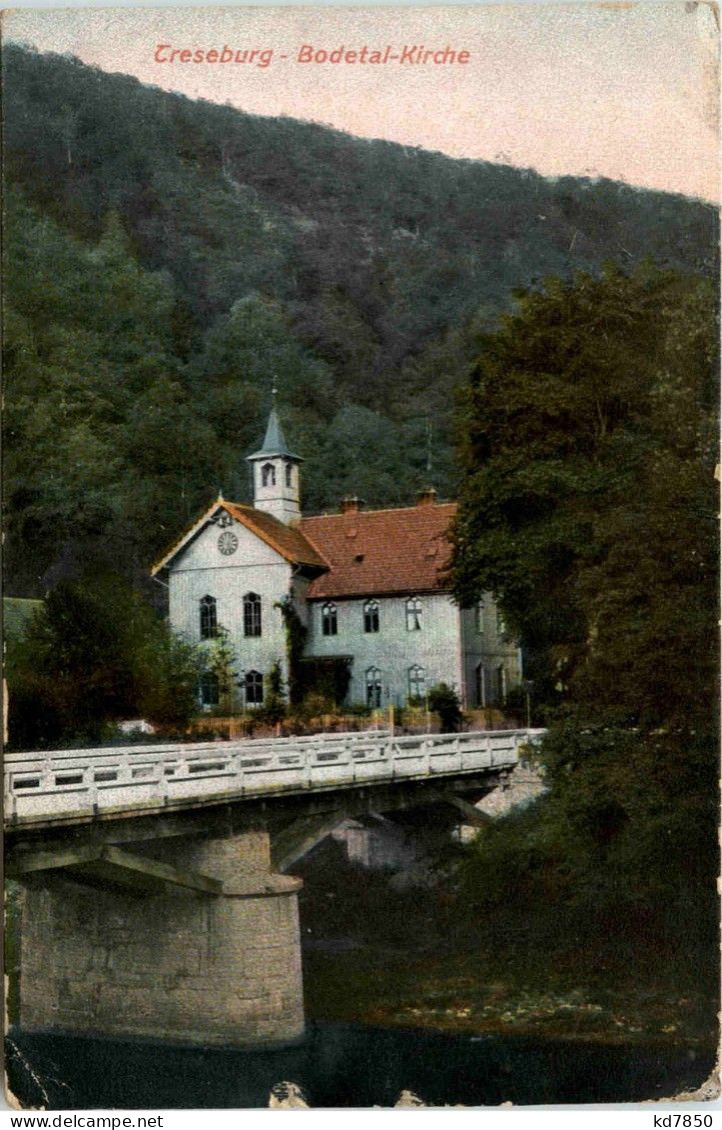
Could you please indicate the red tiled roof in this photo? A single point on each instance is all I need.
(381, 551)
(289, 541)
(286, 540)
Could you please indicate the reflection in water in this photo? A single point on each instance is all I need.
(343, 1065)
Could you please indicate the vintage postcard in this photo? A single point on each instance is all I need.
(360, 555)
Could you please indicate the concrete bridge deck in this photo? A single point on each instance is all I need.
(66, 786)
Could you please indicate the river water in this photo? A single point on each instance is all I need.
(346, 1065)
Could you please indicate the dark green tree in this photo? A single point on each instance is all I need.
(96, 653)
(589, 508)
(274, 707)
(221, 660)
(360, 453)
(588, 499)
(99, 441)
(444, 701)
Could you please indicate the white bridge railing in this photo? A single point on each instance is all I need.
(81, 783)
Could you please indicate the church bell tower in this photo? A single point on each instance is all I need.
(276, 487)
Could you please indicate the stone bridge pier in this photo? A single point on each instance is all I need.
(189, 940)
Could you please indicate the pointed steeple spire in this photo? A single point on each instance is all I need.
(276, 472)
(275, 441)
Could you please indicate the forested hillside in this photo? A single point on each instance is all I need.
(166, 257)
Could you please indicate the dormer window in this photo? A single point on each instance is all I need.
(371, 616)
(329, 619)
(413, 614)
(268, 475)
(251, 614)
(208, 618)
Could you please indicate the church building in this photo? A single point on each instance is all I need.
(368, 587)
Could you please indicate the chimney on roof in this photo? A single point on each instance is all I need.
(426, 497)
(351, 505)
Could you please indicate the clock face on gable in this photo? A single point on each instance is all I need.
(227, 543)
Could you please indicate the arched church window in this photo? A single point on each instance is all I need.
(329, 619)
(210, 689)
(268, 475)
(251, 614)
(373, 688)
(208, 620)
(254, 688)
(417, 681)
(289, 474)
(413, 614)
(371, 616)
